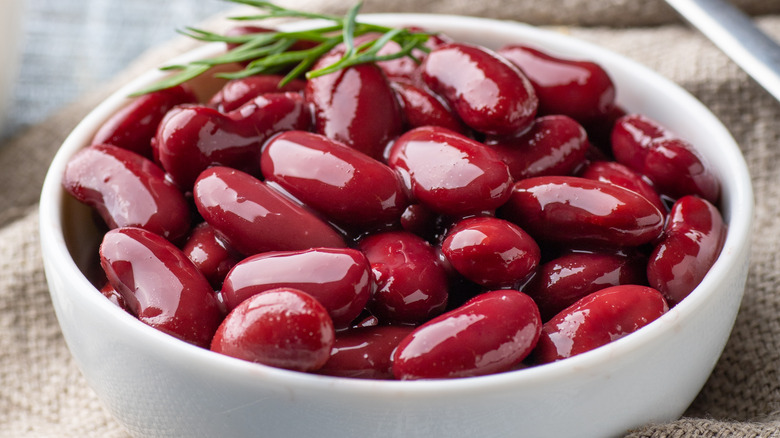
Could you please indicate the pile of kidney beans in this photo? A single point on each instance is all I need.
(479, 212)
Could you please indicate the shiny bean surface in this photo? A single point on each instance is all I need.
(422, 108)
(621, 175)
(365, 353)
(238, 92)
(210, 253)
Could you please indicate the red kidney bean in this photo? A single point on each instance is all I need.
(694, 235)
(581, 90)
(489, 334)
(339, 278)
(115, 297)
(127, 190)
(283, 328)
(160, 285)
(355, 106)
(571, 209)
(597, 320)
(192, 138)
(238, 92)
(562, 281)
(411, 284)
(133, 127)
(420, 220)
(422, 108)
(488, 93)
(491, 252)
(621, 175)
(552, 145)
(450, 173)
(365, 353)
(254, 218)
(334, 179)
(210, 253)
(671, 163)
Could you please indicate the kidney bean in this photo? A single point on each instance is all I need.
(160, 285)
(422, 108)
(115, 297)
(581, 90)
(562, 281)
(491, 252)
(486, 91)
(238, 92)
(411, 284)
(333, 179)
(133, 127)
(365, 353)
(254, 218)
(552, 145)
(621, 175)
(597, 320)
(340, 279)
(491, 333)
(420, 220)
(210, 253)
(571, 209)
(671, 163)
(192, 138)
(283, 328)
(127, 190)
(355, 106)
(450, 173)
(693, 238)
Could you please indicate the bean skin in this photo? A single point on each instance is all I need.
(450, 173)
(192, 138)
(490, 94)
(491, 252)
(340, 279)
(571, 209)
(160, 285)
(255, 218)
(365, 353)
(283, 328)
(597, 320)
(491, 333)
(691, 243)
(411, 284)
(127, 190)
(238, 92)
(210, 253)
(332, 178)
(422, 108)
(621, 175)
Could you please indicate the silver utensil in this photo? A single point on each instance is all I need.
(736, 35)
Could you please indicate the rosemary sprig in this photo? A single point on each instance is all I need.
(273, 51)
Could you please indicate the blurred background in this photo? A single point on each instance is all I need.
(67, 47)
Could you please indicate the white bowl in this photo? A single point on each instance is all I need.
(156, 385)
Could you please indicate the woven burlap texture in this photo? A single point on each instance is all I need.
(42, 393)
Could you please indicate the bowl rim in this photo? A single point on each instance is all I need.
(740, 205)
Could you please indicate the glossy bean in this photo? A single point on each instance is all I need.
(671, 163)
(581, 90)
(365, 353)
(450, 173)
(621, 175)
(333, 179)
(571, 209)
(192, 138)
(210, 253)
(339, 278)
(552, 145)
(598, 319)
(254, 218)
(283, 328)
(422, 108)
(693, 238)
(160, 285)
(411, 284)
(491, 252)
(491, 333)
(133, 127)
(127, 190)
(238, 92)
(488, 93)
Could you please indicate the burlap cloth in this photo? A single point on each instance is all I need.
(42, 393)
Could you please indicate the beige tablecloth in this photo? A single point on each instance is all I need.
(42, 393)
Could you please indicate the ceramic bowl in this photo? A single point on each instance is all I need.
(155, 385)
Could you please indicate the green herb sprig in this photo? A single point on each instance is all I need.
(273, 51)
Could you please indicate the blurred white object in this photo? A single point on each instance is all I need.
(10, 41)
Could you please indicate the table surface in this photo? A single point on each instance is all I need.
(71, 46)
